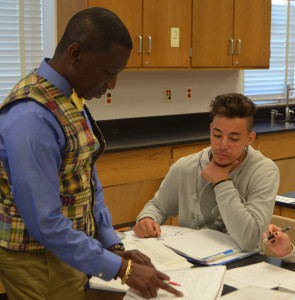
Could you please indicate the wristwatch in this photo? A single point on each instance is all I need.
(118, 247)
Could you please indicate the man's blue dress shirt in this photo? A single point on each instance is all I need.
(31, 147)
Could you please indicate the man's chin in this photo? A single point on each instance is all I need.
(222, 165)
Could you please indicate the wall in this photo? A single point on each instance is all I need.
(141, 94)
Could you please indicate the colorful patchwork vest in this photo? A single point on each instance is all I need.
(75, 175)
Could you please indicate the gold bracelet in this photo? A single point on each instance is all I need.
(128, 272)
(220, 181)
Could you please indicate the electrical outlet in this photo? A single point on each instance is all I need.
(108, 99)
(168, 95)
(189, 93)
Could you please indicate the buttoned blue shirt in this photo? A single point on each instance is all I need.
(31, 146)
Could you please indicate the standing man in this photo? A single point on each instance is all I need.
(51, 201)
(229, 187)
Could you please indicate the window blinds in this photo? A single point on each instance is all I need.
(270, 85)
(21, 48)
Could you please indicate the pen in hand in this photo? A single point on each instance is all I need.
(272, 235)
(172, 283)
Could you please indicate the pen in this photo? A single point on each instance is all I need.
(272, 235)
(122, 229)
(172, 283)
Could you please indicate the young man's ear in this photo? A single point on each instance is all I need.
(251, 137)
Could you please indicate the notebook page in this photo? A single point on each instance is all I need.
(201, 243)
(204, 283)
(161, 257)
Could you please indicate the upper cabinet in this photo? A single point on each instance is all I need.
(160, 30)
(231, 33)
(188, 34)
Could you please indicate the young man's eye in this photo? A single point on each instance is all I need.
(216, 135)
(235, 139)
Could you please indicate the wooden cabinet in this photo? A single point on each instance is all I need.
(153, 25)
(130, 179)
(231, 33)
(280, 147)
(219, 34)
(181, 151)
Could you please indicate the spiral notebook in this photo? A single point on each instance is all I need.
(204, 283)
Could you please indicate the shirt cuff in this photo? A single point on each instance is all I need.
(108, 238)
(223, 186)
(105, 272)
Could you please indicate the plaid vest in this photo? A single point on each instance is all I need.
(75, 175)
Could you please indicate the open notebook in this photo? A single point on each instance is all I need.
(204, 283)
(207, 246)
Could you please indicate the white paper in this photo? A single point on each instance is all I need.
(203, 283)
(261, 274)
(257, 293)
(284, 199)
(162, 257)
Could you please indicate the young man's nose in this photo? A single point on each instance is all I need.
(223, 143)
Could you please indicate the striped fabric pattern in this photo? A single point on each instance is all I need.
(75, 175)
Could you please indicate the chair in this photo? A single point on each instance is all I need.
(282, 222)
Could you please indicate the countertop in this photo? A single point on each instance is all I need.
(180, 136)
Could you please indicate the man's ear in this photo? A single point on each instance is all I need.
(211, 125)
(74, 53)
(251, 138)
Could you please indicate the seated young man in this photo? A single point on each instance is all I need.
(229, 187)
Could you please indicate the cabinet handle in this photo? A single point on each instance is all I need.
(231, 52)
(150, 44)
(139, 44)
(239, 46)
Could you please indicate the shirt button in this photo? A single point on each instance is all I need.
(100, 275)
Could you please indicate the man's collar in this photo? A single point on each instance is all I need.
(79, 102)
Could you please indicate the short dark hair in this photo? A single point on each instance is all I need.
(233, 105)
(95, 29)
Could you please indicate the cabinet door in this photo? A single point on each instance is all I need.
(130, 12)
(278, 145)
(252, 33)
(212, 33)
(132, 166)
(165, 21)
(125, 201)
(178, 152)
(65, 9)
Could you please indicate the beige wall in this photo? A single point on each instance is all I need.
(141, 94)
